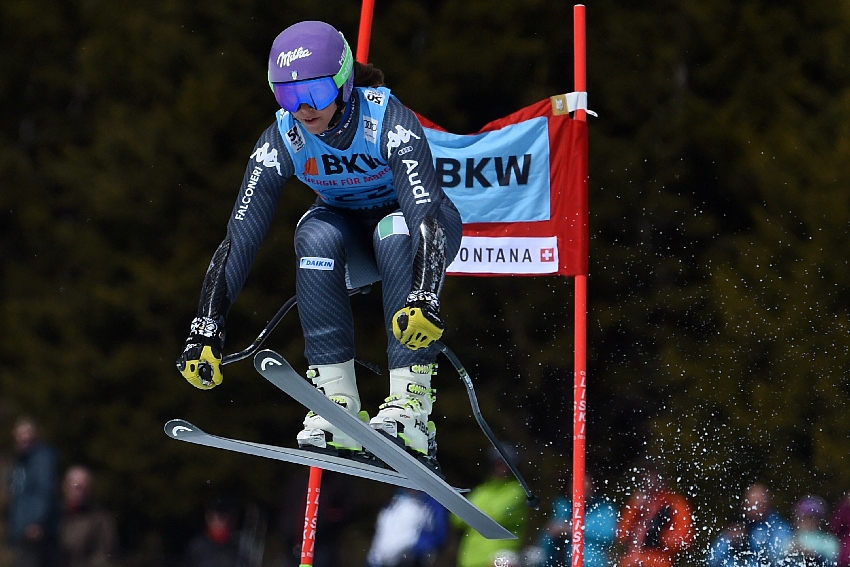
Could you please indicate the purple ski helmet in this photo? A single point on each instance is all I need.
(303, 54)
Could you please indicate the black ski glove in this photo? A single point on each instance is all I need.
(200, 362)
(418, 323)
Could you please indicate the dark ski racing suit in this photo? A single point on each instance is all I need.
(349, 237)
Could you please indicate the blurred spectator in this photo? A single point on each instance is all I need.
(760, 538)
(409, 531)
(730, 548)
(600, 529)
(218, 545)
(769, 534)
(813, 545)
(33, 502)
(88, 536)
(840, 526)
(336, 511)
(502, 498)
(656, 523)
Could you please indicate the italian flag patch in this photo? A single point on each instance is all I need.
(392, 224)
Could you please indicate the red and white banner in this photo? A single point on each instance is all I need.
(520, 184)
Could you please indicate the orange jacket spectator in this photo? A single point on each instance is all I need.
(655, 525)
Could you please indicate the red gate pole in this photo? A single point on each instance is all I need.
(580, 365)
(365, 34)
(311, 513)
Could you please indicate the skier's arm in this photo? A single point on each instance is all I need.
(268, 169)
(418, 323)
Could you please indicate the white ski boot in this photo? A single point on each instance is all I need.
(404, 414)
(338, 383)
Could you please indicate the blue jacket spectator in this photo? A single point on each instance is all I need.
(33, 497)
(762, 539)
(600, 529)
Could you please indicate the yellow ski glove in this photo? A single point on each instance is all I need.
(200, 362)
(418, 323)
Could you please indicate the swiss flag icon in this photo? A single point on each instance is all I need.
(547, 254)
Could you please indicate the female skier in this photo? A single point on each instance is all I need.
(380, 214)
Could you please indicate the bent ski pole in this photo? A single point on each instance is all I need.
(264, 334)
(261, 338)
(530, 499)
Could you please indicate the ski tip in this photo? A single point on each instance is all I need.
(179, 429)
(267, 358)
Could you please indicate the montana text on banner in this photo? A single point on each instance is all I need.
(520, 184)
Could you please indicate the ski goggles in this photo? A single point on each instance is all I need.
(318, 93)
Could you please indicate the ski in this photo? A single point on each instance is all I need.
(277, 370)
(184, 431)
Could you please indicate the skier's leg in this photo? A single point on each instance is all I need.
(395, 256)
(320, 286)
(405, 412)
(326, 320)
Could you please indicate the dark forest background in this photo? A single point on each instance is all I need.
(719, 208)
